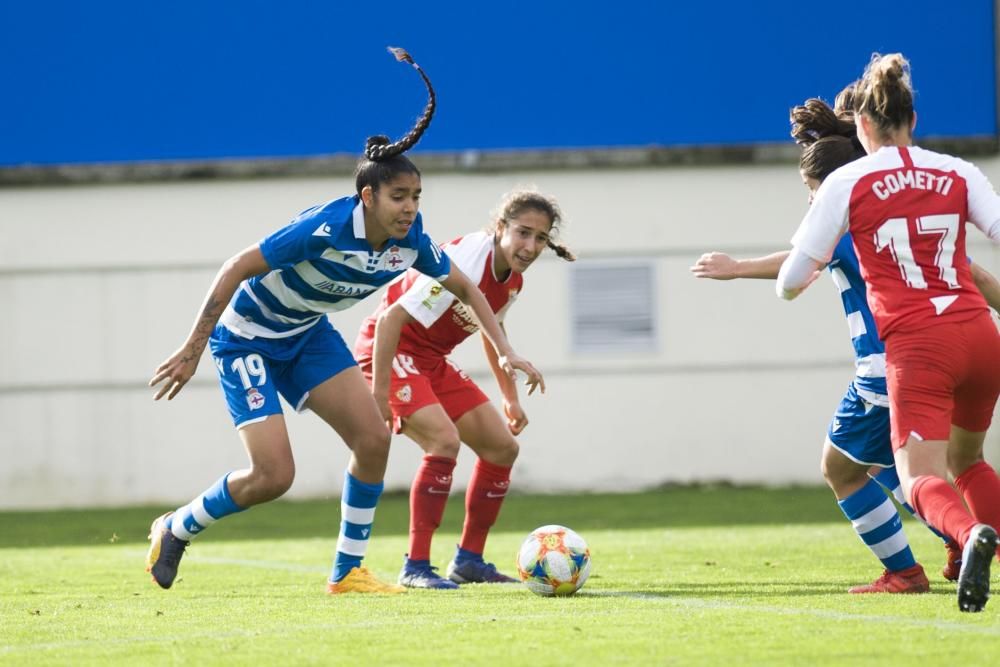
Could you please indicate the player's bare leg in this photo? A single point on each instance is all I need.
(345, 403)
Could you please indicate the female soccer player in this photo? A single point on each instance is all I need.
(906, 209)
(857, 441)
(437, 405)
(274, 338)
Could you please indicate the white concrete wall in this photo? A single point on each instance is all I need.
(98, 284)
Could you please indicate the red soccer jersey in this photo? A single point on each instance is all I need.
(906, 209)
(442, 321)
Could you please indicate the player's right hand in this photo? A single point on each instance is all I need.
(512, 362)
(516, 419)
(175, 372)
(715, 265)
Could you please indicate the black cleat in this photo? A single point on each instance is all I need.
(165, 552)
(974, 577)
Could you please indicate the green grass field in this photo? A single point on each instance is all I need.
(709, 575)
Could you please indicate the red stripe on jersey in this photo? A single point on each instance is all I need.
(473, 254)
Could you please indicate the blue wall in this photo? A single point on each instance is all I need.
(123, 80)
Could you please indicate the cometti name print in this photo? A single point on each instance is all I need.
(890, 184)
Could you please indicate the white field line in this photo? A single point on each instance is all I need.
(412, 622)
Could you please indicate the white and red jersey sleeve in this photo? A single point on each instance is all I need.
(441, 320)
(906, 209)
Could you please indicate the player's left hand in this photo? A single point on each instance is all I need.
(513, 362)
(516, 419)
(715, 265)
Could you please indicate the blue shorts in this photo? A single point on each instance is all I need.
(861, 431)
(254, 371)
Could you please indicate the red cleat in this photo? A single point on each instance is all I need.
(910, 580)
(954, 563)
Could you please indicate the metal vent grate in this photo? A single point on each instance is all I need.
(613, 307)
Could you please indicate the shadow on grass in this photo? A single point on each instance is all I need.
(670, 507)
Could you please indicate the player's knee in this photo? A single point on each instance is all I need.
(268, 482)
(444, 442)
(824, 469)
(372, 447)
(959, 461)
(503, 453)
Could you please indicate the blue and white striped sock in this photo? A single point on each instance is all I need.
(357, 512)
(878, 524)
(889, 480)
(203, 511)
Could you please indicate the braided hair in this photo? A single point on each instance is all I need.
(383, 159)
(829, 140)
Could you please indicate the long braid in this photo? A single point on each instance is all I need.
(378, 147)
(562, 252)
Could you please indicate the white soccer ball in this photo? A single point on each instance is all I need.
(553, 560)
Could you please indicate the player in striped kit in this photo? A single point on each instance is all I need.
(438, 406)
(907, 209)
(857, 454)
(265, 320)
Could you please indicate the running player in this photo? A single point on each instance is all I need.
(906, 209)
(857, 452)
(438, 406)
(273, 338)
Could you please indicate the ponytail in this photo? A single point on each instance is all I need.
(383, 159)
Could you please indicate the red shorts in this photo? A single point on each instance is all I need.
(417, 382)
(945, 374)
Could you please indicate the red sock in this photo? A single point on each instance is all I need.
(483, 499)
(980, 486)
(940, 505)
(428, 497)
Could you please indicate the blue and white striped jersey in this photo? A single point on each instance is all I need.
(321, 263)
(869, 351)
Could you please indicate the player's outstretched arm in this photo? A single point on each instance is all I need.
(387, 330)
(720, 266)
(797, 273)
(987, 284)
(516, 418)
(175, 372)
(465, 291)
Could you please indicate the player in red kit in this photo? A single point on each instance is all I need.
(436, 404)
(907, 209)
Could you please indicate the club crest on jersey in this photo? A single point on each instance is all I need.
(255, 399)
(405, 394)
(393, 259)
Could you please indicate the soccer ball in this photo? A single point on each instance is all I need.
(553, 561)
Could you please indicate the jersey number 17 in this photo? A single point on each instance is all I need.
(894, 234)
